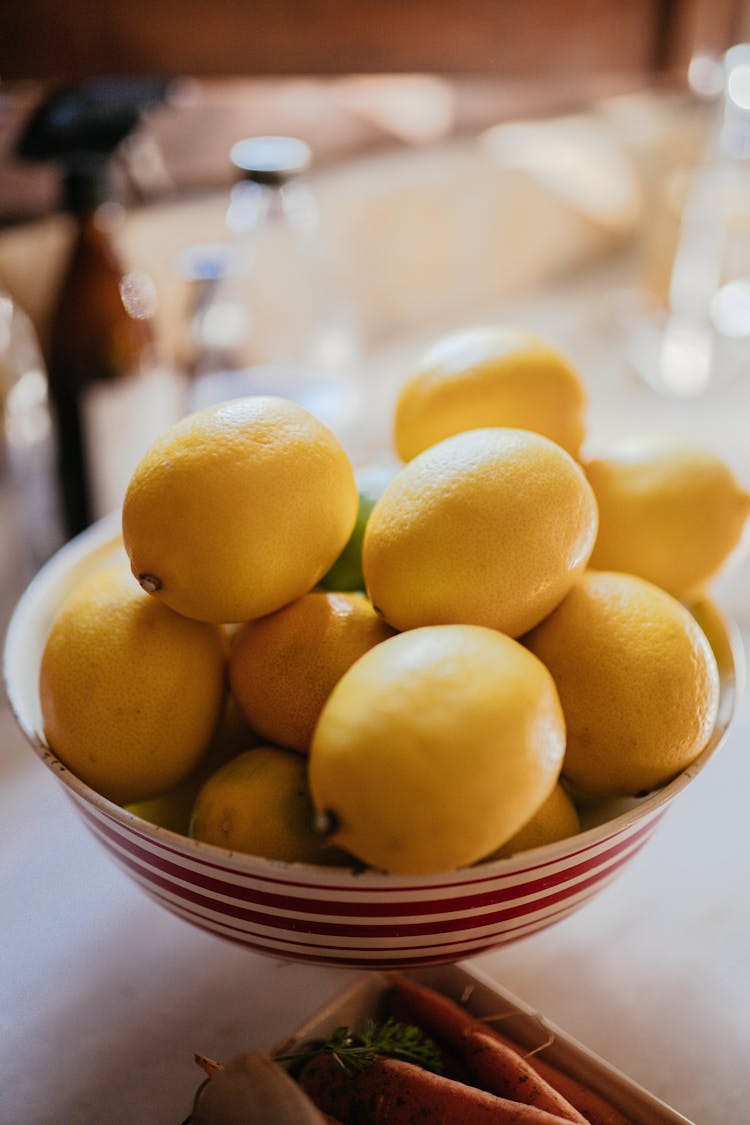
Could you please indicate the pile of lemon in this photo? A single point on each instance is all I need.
(416, 674)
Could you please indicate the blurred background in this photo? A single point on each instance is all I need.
(308, 66)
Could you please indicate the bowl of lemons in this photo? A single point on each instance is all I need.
(394, 718)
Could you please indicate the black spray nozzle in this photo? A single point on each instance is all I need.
(83, 124)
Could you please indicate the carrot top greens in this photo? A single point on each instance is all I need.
(355, 1051)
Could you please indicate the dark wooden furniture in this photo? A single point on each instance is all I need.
(44, 39)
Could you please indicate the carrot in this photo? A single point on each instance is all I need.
(392, 1092)
(435, 1014)
(501, 1070)
(596, 1109)
(442, 1018)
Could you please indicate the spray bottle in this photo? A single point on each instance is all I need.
(110, 394)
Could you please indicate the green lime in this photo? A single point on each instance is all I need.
(346, 572)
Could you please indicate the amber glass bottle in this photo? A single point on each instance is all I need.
(95, 343)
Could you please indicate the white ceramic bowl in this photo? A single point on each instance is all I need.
(334, 916)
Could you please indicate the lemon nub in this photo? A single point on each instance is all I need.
(325, 823)
(149, 582)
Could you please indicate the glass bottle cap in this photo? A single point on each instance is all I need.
(270, 160)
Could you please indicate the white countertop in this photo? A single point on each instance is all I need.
(104, 997)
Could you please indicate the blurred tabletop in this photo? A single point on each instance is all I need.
(105, 997)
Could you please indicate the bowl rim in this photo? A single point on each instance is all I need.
(104, 538)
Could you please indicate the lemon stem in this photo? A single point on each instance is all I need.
(150, 583)
(325, 823)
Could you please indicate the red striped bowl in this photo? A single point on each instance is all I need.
(334, 916)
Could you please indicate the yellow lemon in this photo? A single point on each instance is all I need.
(637, 679)
(489, 527)
(668, 512)
(490, 376)
(173, 809)
(435, 747)
(284, 666)
(131, 692)
(239, 509)
(259, 803)
(557, 819)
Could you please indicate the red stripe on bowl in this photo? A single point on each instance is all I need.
(154, 859)
(385, 957)
(466, 920)
(237, 933)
